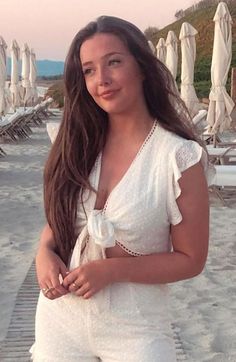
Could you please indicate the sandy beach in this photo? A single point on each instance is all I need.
(22, 214)
(203, 309)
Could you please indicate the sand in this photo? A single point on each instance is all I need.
(22, 214)
(203, 308)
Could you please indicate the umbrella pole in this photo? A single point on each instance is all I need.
(214, 140)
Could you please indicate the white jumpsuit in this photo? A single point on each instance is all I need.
(125, 321)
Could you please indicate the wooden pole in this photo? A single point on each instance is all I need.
(233, 84)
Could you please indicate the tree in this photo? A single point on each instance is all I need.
(179, 14)
(150, 32)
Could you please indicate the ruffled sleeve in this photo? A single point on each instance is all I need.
(186, 154)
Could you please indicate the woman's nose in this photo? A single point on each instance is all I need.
(103, 77)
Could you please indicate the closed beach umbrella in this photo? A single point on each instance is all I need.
(172, 53)
(188, 51)
(4, 103)
(25, 73)
(33, 77)
(152, 46)
(221, 105)
(161, 50)
(15, 88)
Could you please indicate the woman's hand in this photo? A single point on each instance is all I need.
(89, 278)
(49, 267)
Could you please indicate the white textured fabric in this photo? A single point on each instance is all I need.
(122, 320)
(101, 230)
(137, 215)
(141, 207)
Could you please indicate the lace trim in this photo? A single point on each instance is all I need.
(133, 253)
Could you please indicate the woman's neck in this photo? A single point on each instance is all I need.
(129, 125)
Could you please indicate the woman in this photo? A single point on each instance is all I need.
(126, 201)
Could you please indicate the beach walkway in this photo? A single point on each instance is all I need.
(20, 335)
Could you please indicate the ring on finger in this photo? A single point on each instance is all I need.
(47, 290)
(75, 285)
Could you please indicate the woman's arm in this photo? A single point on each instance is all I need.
(49, 265)
(46, 238)
(190, 246)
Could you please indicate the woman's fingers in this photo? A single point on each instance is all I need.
(69, 279)
(51, 271)
(48, 291)
(80, 292)
(51, 293)
(52, 288)
(55, 280)
(63, 270)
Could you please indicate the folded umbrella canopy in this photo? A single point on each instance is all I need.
(188, 51)
(172, 53)
(153, 49)
(221, 105)
(33, 77)
(161, 50)
(4, 101)
(15, 88)
(25, 74)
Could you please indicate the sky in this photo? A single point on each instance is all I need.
(48, 26)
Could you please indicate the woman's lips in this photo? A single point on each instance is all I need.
(108, 94)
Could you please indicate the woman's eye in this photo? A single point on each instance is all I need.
(88, 71)
(114, 61)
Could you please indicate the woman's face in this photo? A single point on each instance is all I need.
(112, 75)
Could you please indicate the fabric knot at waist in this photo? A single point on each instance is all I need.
(100, 229)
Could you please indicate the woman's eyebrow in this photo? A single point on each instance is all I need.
(103, 57)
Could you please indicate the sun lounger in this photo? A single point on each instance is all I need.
(221, 155)
(2, 152)
(225, 177)
(200, 116)
(7, 126)
(18, 125)
(227, 144)
(15, 126)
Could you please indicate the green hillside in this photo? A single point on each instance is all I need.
(202, 21)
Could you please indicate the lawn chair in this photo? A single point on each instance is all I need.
(222, 155)
(41, 112)
(224, 179)
(2, 152)
(200, 116)
(7, 127)
(15, 126)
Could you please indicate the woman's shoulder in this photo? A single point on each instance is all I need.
(171, 142)
(179, 152)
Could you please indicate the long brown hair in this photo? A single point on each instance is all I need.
(83, 129)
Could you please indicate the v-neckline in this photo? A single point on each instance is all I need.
(98, 165)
